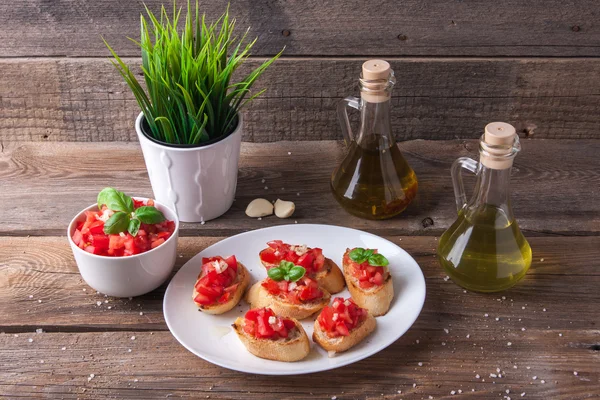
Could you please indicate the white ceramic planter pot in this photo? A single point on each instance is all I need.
(197, 182)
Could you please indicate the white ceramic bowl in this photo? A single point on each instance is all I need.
(127, 276)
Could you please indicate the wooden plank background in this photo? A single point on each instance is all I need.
(552, 198)
(450, 59)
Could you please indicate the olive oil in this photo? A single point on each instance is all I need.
(484, 250)
(374, 180)
(374, 183)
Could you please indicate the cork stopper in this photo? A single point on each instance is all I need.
(375, 81)
(499, 145)
(376, 69)
(500, 134)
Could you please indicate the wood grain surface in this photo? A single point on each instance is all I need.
(548, 340)
(85, 99)
(549, 197)
(331, 28)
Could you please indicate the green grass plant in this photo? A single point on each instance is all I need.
(189, 97)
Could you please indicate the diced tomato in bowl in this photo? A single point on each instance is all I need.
(123, 265)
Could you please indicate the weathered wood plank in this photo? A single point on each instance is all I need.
(555, 342)
(438, 98)
(44, 268)
(308, 28)
(158, 367)
(46, 184)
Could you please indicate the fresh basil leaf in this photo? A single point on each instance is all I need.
(119, 222)
(368, 253)
(277, 274)
(286, 266)
(134, 227)
(104, 195)
(296, 273)
(378, 260)
(149, 215)
(358, 255)
(115, 200)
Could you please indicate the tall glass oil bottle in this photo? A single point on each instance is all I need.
(484, 249)
(374, 180)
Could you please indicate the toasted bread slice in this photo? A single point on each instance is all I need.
(259, 297)
(376, 300)
(294, 348)
(329, 278)
(343, 343)
(243, 277)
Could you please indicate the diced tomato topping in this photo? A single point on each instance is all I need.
(262, 323)
(313, 260)
(339, 318)
(368, 275)
(77, 237)
(216, 281)
(89, 235)
(302, 291)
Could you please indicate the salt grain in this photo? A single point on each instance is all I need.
(417, 341)
(202, 222)
(497, 319)
(136, 380)
(31, 340)
(109, 307)
(98, 303)
(266, 187)
(84, 289)
(523, 329)
(420, 364)
(39, 330)
(528, 367)
(522, 308)
(129, 350)
(443, 343)
(133, 338)
(493, 376)
(507, 391)
(414, 385)
(263, 181)
(543, 381)
(468, 336)
(39, 301)
(31, 296)
(289, 153)
(574, 372)
(446, 330)
(534, 377)
(141, 313)
(259, 218)
(453, 392)
(541, 260)
(459, 391)
(486, 315)
(523, 394)
(92, 376)
(544, 310)
(509, 344)
(477, 376)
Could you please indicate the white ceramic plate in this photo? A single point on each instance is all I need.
(212, 338)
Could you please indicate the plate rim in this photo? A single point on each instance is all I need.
(362, 356)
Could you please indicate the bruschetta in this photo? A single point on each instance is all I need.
(318, 267)
(369, 280)
(269, 336)
(288, 292)
(342, 325)
(220, 285)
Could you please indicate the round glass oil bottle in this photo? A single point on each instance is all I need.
(374, 180)
(484, 249)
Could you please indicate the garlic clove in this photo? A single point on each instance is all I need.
(284, 209)
(259, 208)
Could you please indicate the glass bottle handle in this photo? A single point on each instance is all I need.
(342, 110)
(459, 190)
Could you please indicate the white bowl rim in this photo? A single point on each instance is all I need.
(133, 256)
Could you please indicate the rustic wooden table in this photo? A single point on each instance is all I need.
(541, 339)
